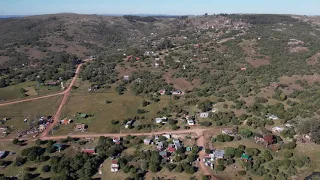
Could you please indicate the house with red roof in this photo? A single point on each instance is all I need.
(89, 151)
(114, 166)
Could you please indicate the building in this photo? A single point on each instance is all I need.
(277, 129)
(58, 146)
(114, 166)
(160, 146)
(116, 140)
(42, 127)
(246, 158)
(2, 154)
(204, 115)
(190, 122)
(129, 123)
(156, 65)
(126, 77)
(147, 141)
(272, 117)
(176, 92)
(168, 136)
(219, 154)
(161, 120)
(80, 127)
(163, 154)
(162, 91)
(228, 132)
(89, 151)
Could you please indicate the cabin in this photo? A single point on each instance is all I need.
(162, 91)
(161, 120)
(246, 158)
(147, 141)
(272, 117)
(80, 127)
(204, 115)
(89, 151)
(116, 140)
(219, 154)
(114, 166)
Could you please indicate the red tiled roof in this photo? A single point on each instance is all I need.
(90, 151)
(268, 139)
(114, 161)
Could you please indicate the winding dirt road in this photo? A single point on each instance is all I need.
(63, 102)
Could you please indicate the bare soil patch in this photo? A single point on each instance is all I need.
(313, 59)
(259, 62)
(4, 59)
(298, 49)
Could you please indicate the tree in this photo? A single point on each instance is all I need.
(287, 154)
(15, 141)
(242, 173)
(220, 167)
(46, 168)
(266, 155)
(179, 168)
(290, 145)
(145, 103)
(171, 166)
(19, 161)
(38, 142)
(245, 133)
(229, 152)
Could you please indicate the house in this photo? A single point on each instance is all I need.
(266, 139)
(219, 154)
(162, 91)
(126, 77)
(80, 127)
(42, 127)
(176, 92)
(168, 136)
(190, 122)
(114, 166)
(2, 154)
(129, 123)
(89, 151)
(58, 146)
(129, 58)
(163, 154)
(204, 115)
(116, 140)
(214, 110)
(137, 58)
(243, 68)
(156, 137)
(188, 149)
(147, 141)
(171, 148)
(83, 115)
(160, 146)
(272, 117)
(277, 129)
(228, 132)
(156, 65)
(246, 158)
(161, 120)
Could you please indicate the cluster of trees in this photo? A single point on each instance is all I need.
(258, 122)
(140, 18)
(311, 127)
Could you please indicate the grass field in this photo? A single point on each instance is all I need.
(14, 91)
(28, 110)
(94, 103)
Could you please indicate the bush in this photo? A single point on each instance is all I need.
(220, 168)
(287, 154)
(290, 145)
(141, 111)
(46, 168)
(242, 173)
(15, 141)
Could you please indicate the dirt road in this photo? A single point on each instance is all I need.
(63, 102)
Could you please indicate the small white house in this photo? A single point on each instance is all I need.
(114, 166)
(204, 115)
(272, 117)
(156, 65)
(161, 120)
(190, 122)
(214, 110)
(277, 129)
(126, 77)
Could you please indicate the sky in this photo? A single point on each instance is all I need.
(172, 7)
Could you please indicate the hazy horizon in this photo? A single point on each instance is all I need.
(164, 7)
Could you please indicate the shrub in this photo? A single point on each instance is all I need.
(242, 173)
(46, 168)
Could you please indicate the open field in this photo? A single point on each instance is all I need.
(14, 92)
(28, 110)
(121, 107)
